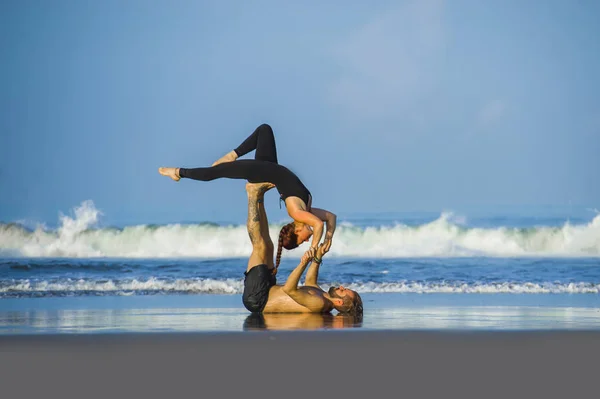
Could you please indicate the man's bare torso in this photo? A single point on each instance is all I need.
(279, 301)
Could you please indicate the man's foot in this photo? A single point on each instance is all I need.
(173, 173)
(258, 189)
(229, 157)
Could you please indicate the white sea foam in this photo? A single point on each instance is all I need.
(478, 288)
(206, 286)
(77, 237)
(234, 286)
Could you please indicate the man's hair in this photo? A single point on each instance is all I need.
(287, 239)
(351, 306)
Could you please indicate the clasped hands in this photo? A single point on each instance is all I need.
(317, 252)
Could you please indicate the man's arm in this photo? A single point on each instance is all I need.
(312, 274)
(311, 302)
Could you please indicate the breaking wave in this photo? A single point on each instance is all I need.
(78, 237)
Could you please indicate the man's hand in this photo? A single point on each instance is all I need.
(311, 252)
(307, 257)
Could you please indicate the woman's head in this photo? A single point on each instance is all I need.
(292, 235)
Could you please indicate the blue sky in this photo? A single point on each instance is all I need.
(398, 106)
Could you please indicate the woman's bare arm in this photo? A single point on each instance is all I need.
(331, 220)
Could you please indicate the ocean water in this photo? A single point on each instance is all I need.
(516, 269)
(520, 253)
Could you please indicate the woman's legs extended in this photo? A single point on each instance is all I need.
(262, 140)
(260, 170)
(247, 169)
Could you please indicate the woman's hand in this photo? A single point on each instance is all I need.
(312, 251)
(326, 246)
(321, 251)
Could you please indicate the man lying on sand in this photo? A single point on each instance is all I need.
(261, 294)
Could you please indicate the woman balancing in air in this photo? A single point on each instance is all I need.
(264, 168)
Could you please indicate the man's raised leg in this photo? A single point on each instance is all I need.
(258, 229)
(264, 225)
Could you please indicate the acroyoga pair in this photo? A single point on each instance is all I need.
(261, 292)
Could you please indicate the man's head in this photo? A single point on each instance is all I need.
(345, 300)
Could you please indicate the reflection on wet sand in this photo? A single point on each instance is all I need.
(300, 321)
(163, 320)
(82, 321)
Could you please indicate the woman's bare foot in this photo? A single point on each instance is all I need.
(229, 157)
(173, 173)
(258, 189)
